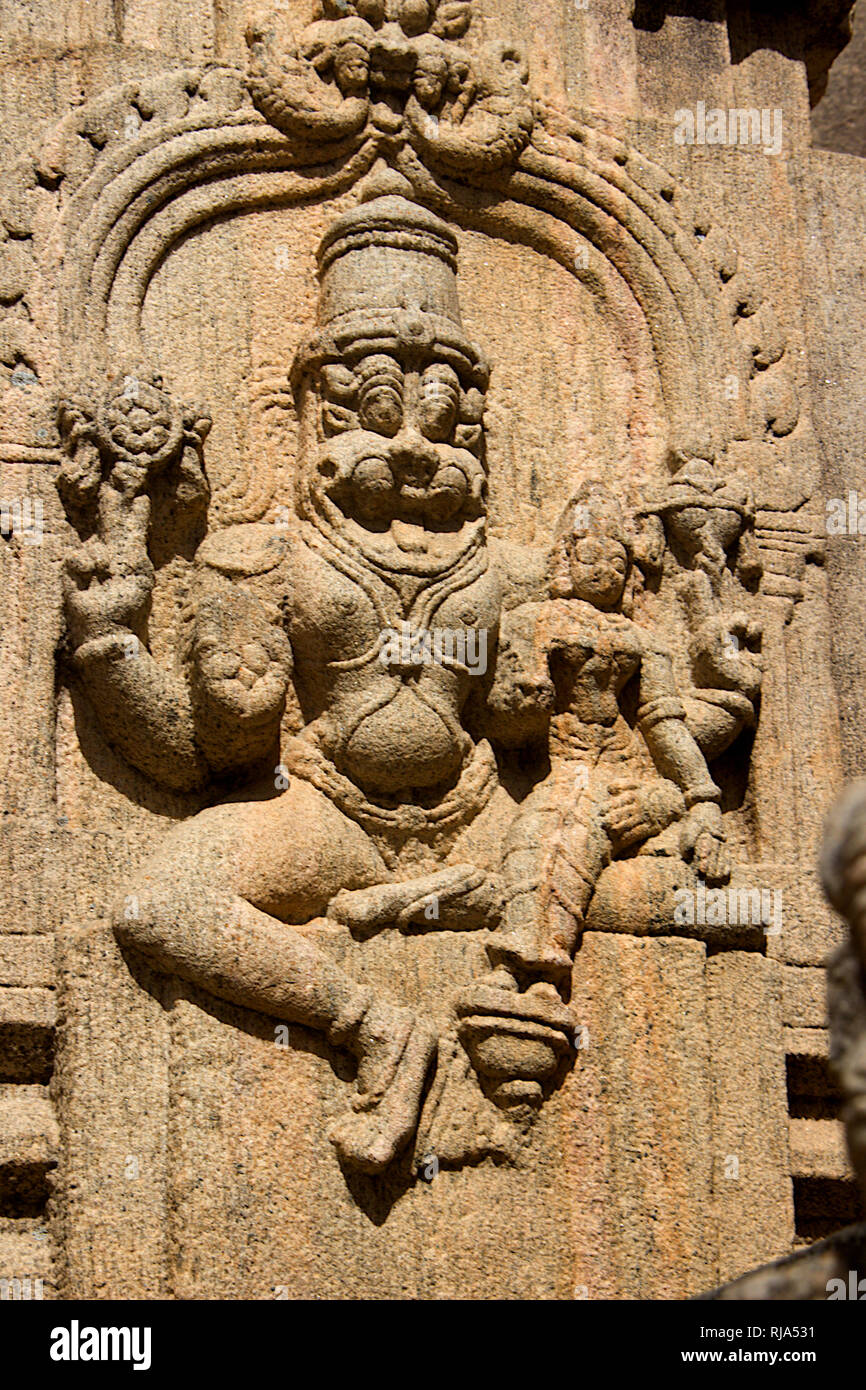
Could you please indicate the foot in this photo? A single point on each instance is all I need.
(523, 952)
(396, 1051)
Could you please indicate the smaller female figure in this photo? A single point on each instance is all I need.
(624, 764)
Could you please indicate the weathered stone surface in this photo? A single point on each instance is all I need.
(27, 961)
(818, 1150)
(26, 1260)
(827, 1269)
(804, 997)
(751, 1157)
(110, 1086)
(642, 1224)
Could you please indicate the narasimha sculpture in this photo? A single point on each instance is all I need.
(389, 808)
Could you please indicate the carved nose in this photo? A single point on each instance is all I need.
(413, 458)
(536, 687)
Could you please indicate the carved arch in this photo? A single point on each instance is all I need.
(132, 177)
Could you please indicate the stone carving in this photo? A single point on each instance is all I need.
(600, 797)
(346, 690)
(385, 737)
(709, 524)
(392, 812)
(393, 70)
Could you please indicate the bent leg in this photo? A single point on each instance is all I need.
(554, 854)
(197, 917)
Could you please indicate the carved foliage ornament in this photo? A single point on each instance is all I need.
(393, 71)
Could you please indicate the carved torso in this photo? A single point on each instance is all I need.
(598, 653)
(390, 725)
(373, 608)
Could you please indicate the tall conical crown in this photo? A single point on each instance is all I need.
(388, 275)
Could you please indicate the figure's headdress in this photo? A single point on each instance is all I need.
(698, 484)
(388, 275)
(699, 488)
(592, 511)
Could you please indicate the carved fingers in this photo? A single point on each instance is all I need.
(464, 899)
(627, 816)
(240, 661)
(106, 590)
(460, 897)
(124, 520)
(705, 846)
(367, 910)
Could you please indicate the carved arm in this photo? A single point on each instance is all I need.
(662, 721)
(727, 669)
(220, 712)
(144, 712)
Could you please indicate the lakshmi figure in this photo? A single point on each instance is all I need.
(624, 763)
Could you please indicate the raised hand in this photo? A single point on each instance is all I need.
(108, 587)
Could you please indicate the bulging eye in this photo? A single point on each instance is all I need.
(382, 410)
(337, 419)
(447, 494)
(415, 16)
(440, 402)
(373, 486)
(380, 398)
(337, 391)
